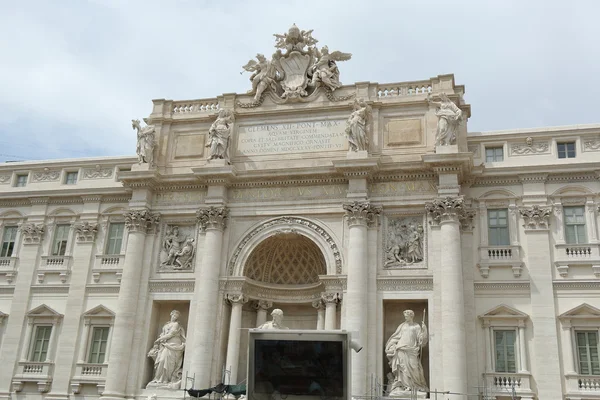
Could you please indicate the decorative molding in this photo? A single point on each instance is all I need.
(591, 144)
(331, 297)
(576, 285)
(49, 289)
(536, 217)
(97, 173)
(104, 289)
(32, 233)
(7, 289)
(262, 305)
(529, 148)
(86, 231)
(212, 218)
(361, 213)
(391, 284)
(5, 179)
(475, 149)
(503, 286)
(238, 298)
(142, 221)
(171, 286)
(289, 221)
(46, 175)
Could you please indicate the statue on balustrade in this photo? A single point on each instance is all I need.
(145, 142)
(276, 323)
(167, 354)
(358, 126)
(218, 135)
(403, 350)
(449, 116)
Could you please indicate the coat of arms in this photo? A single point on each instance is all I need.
(296, 71)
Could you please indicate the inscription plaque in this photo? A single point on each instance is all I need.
(292, 137)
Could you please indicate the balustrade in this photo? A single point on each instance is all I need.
(578, 384)
(198, 106)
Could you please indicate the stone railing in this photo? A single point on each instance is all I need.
(503, 383)
(566, 255)
(583, 383)
(113, 261)
(7, 263)
(109, 266)
(55, 262)
(500, 256)
(89, 374)
(195, 106)
(403, 89)
(39, 372)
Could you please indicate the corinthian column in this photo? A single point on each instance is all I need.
(358, 214)
(212, 222)
(330, 300)
(233, 343)
(448, 212)
(138, 224)
(261, 308)
(318, 304)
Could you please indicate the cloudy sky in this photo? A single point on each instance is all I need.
(74, 73)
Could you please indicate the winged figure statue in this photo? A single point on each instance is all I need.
(325, 69)
(264, 75)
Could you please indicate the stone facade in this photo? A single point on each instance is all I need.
(487, 234)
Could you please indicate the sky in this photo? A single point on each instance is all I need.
(73, 73)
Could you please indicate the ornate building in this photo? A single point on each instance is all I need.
(342, 205)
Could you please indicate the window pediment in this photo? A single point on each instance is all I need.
(582, 315)
(504, 315)
(98, 314)
(43, 314)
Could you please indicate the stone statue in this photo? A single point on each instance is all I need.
(325, 69)
(218, 135)
(167, 354)
(183, 258)
(358, 126)
(179, 250)
(276, 323)
(449, 116)
(405, 243)
(145, 142)
(294, 39)
(263, 76)
(403, 349)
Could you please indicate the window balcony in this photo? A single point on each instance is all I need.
(38, 372)
(502, 384)
(500, 256)
(89, 374)
(8, 268)
(54, 265)
(108, 265)
(583, 385)
(567, 255)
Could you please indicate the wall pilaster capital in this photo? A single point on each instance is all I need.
(142, 221)
(450, 209)
(331, 297)
(361, 213)
(236, 298)
(262, 305)
(212, 218)
(32, 233)
(86, 231)
(536, 217)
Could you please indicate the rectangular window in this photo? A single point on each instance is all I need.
(115, 238)
(98, 345)
(566, 149)
(41, 342)
(575, 225)
(71, 178)
(587, 350)
(21, 180)
(8, 241)
(494, 154)
(505, 351)
(61, 237)
(498, 227)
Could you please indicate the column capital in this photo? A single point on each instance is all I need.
(318, 304)
(450, 209)
(331, 297)
(536, 217)
(212, 218)
(361, 213)
(236, 298)
(142, 221)
(32, 232)
(262, 305)
(86, 231)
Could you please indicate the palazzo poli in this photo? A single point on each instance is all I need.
(344, 206)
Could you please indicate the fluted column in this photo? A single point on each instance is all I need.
(138, 223)
(212, 221)
(261, 308)
(448, 212)
(358, 215)
(330, 300)
(233, 343)
(318, 304)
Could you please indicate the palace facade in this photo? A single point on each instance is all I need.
(242, 204)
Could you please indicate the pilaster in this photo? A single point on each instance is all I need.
(233, 343)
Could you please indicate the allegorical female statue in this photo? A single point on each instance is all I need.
(449, 116)
(218, 135)
(167, 354)
(358, 126)
(403, 349)
(145, 142)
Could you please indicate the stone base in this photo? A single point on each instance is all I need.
(406, 394)
(164, 386)
(450, 149)
(159, 393)
(140, 167)
(352, 155)
(217, 162)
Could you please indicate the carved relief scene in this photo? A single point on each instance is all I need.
(178, 248)
(404, 243)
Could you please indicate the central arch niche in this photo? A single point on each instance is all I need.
(286, 259)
